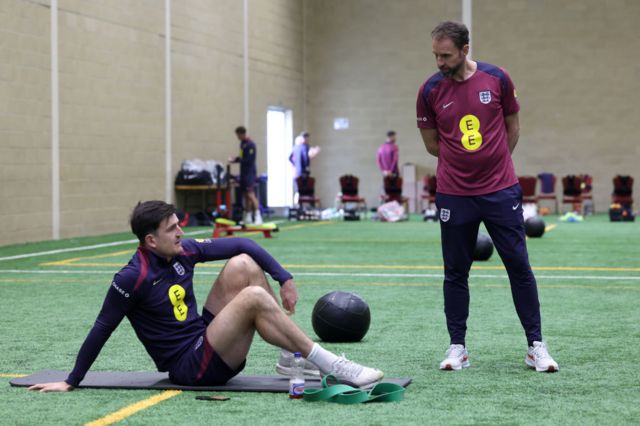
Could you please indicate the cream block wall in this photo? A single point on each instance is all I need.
(111, 111)
(576, 75)
(25, 121)
(365, 61)
(112, 101)
(572, 63)
(207, 51)
(276, 66)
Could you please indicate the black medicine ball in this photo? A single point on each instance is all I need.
(484, 247)
(534, 227)
(341, 317)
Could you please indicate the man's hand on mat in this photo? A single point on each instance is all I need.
(52, 387)
(289, 296)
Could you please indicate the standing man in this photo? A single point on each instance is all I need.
(155, 292)
(468, 118)
(247, 160)
(388, 155)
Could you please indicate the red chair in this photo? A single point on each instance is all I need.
(572, 191)
(393, 191)
(528, 185)
(622, 191)
(429, 188)
(348, 199)
(308, 203)
(548, 189)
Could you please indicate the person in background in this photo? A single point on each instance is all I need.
(301, 157)
(388, 155)
(247, 160)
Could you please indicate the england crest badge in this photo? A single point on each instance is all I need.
(445, 214)
(485, 96)
(179, 268)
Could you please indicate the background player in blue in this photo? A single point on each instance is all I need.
(300, 158)
(468, 118)
(247, 160)
(155, 292)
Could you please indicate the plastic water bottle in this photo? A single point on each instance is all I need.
(296, 381)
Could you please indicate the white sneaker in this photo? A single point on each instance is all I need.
(248, 219)
(258, 218)
(354, 374)
(457, 358)
(286, 360)
(538, 357)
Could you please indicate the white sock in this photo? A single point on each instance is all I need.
(322, 358)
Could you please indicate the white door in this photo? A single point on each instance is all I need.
(279, 146)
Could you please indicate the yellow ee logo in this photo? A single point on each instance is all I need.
(471, 136)
(176, 295)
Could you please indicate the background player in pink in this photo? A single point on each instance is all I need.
(468, 117)
(387, 156)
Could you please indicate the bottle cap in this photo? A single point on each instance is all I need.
(297, 354)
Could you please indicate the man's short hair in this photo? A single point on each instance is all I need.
(146, 217)
(391, 133)
(241, 130)
(304, 134)
(457, 32)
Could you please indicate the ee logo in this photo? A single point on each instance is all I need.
(471, 136)
(176, 295)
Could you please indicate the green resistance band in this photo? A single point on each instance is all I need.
(344, 394)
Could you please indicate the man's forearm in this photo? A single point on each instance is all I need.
(513, 137)
(430, 140)
(512, 124)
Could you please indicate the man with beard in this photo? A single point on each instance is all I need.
(468, 117)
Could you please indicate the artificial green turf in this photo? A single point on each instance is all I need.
(591, 326)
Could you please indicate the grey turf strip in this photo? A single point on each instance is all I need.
(155, 380)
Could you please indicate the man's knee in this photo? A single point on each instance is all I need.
(255, 297)
(243, 263)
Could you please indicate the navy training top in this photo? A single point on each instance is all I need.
(157, 297)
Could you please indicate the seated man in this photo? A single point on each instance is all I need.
(155, 292)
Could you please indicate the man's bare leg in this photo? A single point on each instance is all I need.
(253, 309)
(238, 273)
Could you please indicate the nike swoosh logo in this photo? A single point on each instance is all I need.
(515, 207)
(445, 106)
(157, 281)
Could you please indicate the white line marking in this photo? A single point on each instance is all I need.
(94, 246)
(111, 271)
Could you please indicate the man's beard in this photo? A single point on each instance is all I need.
(452, 71)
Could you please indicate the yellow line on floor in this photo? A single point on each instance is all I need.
(475, 266)
(129, 410)
(506, 285)
(550, 227)
(305, 225)
(11, 376)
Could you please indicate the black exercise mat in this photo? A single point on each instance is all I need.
(155, 380)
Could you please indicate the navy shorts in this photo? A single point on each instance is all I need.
(247, 183)
(201, 365)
